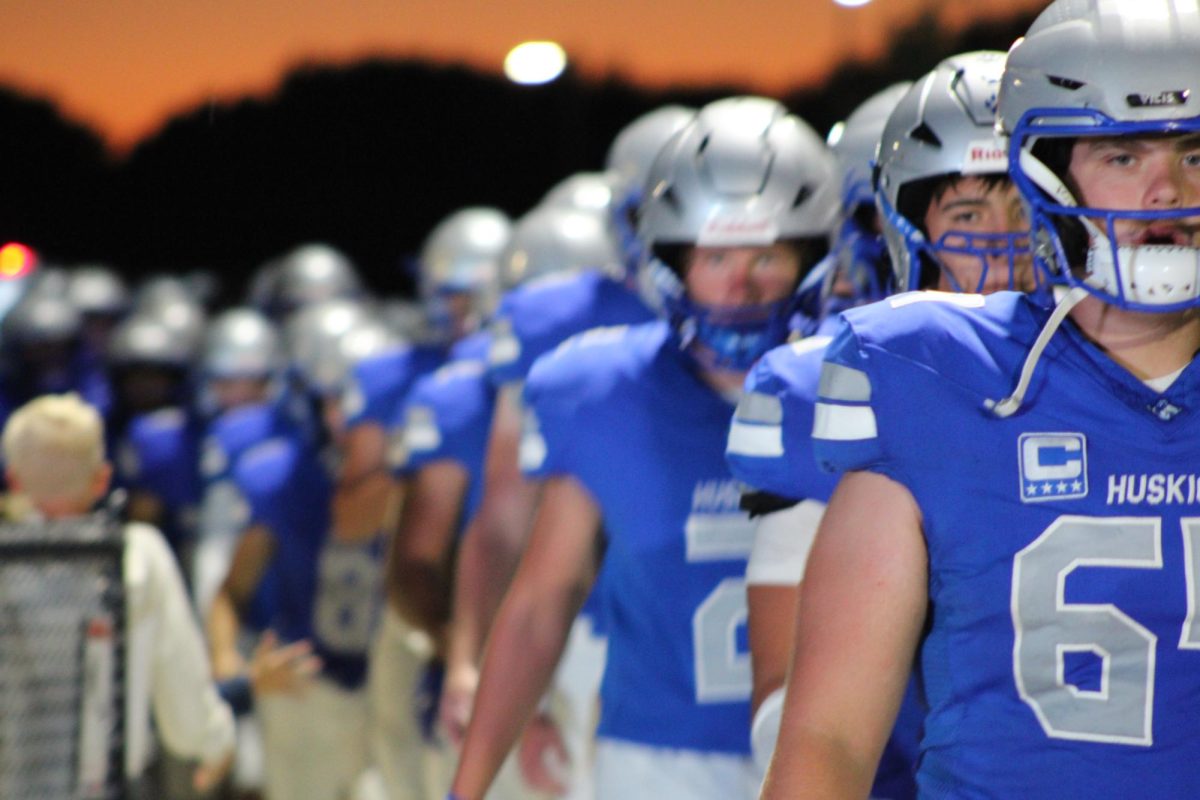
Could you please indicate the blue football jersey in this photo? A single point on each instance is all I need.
(378, 385)
(535, 318)
(447, 418)
(224, 511)
(1062, 658)
(622, 411)
(159, 456)
(770, 439)
(328, 591)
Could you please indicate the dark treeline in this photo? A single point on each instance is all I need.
(367, 157)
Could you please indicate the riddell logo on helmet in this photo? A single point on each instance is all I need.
(984, 156)
(1168, 98)
(735, 231)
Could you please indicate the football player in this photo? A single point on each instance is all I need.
(625, 431)
(1026, 529)
(327, 590)
(445, 433)
(532, 320)
(772, 429)
(861, 271)
(458, 280)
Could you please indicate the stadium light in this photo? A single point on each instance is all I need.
(16, 260)
(852, 3)
(533, 63)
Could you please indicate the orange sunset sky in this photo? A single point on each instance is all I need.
(122, 66)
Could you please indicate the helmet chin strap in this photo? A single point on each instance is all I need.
(1008, 406)
(1045, 178)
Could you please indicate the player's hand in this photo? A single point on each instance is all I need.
(543, 756)
(207, 777)
(458, 695)
(289, 668)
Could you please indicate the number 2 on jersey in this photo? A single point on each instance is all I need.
(722, 670)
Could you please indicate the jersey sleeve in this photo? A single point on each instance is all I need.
(845, 422)
(149, 449)
(769, 447)
(261, 479)
(550, 427)
(447, 417)
(374, 389)
(506, 363)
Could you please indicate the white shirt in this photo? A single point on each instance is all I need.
(167, 667)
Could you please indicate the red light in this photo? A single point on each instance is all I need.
(16, 260)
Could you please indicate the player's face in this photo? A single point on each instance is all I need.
(145, 388)
(741, 276)
(460, 311)
(967, 213)
(234, 392)
(1141, 173)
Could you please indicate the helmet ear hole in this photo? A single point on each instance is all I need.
(674, 256)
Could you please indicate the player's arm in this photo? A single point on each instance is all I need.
(365, 500)
(782, 539)
(420, 566)
(255, 549)
(555, 575)
(490, 550)
(864, 600)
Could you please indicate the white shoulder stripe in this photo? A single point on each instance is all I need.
(810, 343)
(757, 441)
(962, 299)
(503, 350)
(422, 437)
(764, 409)
(839, 382)
(844, 423)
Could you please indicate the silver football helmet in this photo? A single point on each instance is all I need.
(634, 149)
(41, 317)
(860, 253)
(584, 191)
(326, 368)
(98, 290)
(241, 343)
(743, 173)
(157, 290)
(461, 257)
(310, 336)
(145, 340)
(943, 127)
(630, 157)
(313, 273)
(183, 316)
(1111, 69)
(550, 239)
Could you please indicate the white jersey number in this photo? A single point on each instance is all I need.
(722, 672)
(1120, 710)
(349, 585)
